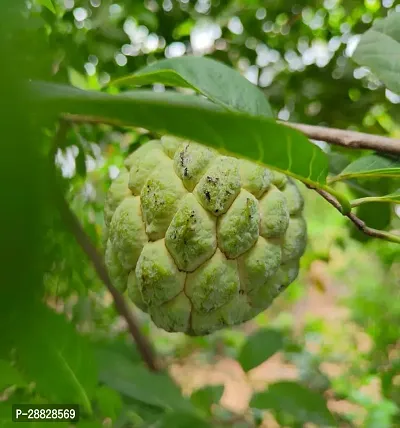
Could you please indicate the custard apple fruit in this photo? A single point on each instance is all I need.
(198, 240)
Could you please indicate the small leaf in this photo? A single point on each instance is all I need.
(374, 215)
(9, 375)
(181, 420)
(134, 381)
(213, 79)
(295, 400)
(257, 138)
(379, 49)
(391, 198)
(259, 347)
(371, 166)
(109, 402)
(48, 4)
(205, 397)
(76, 79)
(337, 162)
(58, 360)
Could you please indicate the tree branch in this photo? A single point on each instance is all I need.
(375, 233)
(84, 242)
(87, 246)
(349, 139)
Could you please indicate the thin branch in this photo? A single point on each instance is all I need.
(349, 139)
(375, 233)
(84, 242)
(87, 246)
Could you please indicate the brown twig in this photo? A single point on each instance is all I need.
(375, 233)
(349, 139)
(87, 246)
(84, 242)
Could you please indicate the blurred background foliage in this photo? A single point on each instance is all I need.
(335, 331)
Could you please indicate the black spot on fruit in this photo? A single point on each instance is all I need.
(212, 180)
(208, 196)
(182, 156)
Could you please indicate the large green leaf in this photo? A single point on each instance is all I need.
(259, 347)
(379, 49)
(294, 399)
(371, 166)
(218, 82)
(391, 198)
(256, 138)
(58, 360)
(134, 381)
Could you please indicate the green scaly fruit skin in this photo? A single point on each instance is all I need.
(201, 241)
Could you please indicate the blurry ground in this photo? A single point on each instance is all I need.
(319, 301)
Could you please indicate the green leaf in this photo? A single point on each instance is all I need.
(109, 402)
(256, 138)
(134, 381)
(379, 49)
(205, 397)
(181, 420)
(117, 346)
(135, 412)
(76, 79)
(374, 215)
(295, 400)
(337, 162)
(370, 166)
(58, 360)
(259, 347)
(391, 198)
(213, 79)
(9, 375)
(48, 4)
